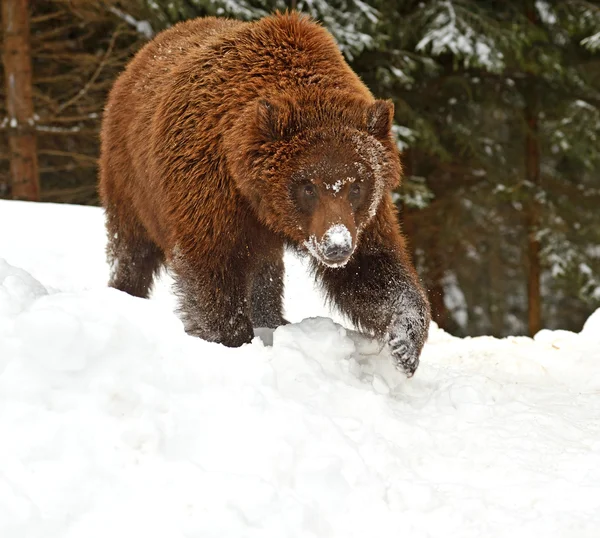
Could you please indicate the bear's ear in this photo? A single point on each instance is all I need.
(274, 118)
(379, 118)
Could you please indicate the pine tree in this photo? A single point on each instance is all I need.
(480, 87)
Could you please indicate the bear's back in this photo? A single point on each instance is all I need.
(213, 67)
(236, 62)
(170, 112)
(148, 75)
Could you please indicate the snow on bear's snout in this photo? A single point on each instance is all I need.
(334, 248)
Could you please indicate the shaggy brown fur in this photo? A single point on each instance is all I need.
(222, 142)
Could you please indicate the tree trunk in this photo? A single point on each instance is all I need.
(532, 171)
(497, 305)
(19, 103)
(532, 165)
(434, 277)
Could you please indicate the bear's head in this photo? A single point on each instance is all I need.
(316, 172)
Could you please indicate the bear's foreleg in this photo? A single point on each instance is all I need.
(380, 292)
(213, 302)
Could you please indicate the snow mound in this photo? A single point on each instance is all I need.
(114, 422)
(591, 328)
(18, 289)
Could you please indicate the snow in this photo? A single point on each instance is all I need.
(116, 423)
(337, 186)
(143, 28)
(592, 42)
(373, 150)
(449, 31)
(337, 236)
(545, 12)
(349, 25)
(404, 136)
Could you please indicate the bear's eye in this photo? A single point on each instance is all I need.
(309, 190)
(354, 190)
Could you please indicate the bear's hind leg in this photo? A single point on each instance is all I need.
(133, 257)
(213, 300)
(267, 295)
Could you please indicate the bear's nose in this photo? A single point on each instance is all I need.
(336, 244)
(337, 253)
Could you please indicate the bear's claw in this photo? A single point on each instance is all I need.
(405, 355)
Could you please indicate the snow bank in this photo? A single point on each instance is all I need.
(115, 423)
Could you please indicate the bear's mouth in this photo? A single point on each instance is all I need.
(334, 248)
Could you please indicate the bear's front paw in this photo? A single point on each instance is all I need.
(404, 354)
(408, 330)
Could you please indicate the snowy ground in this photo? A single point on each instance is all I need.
(114, 423)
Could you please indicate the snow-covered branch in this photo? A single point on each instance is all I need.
(142, 27)
(592, 42)
(453, 28)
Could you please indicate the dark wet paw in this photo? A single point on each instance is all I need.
(405, 355)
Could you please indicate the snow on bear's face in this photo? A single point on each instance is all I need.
(335, 192)
(315, 172)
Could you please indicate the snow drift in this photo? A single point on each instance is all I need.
(115, 423)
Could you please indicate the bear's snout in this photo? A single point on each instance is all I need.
(337, 244)
(334, 248)
(337, 253)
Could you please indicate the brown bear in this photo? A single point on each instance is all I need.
(225, 141)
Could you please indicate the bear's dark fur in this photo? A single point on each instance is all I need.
(222, 142)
